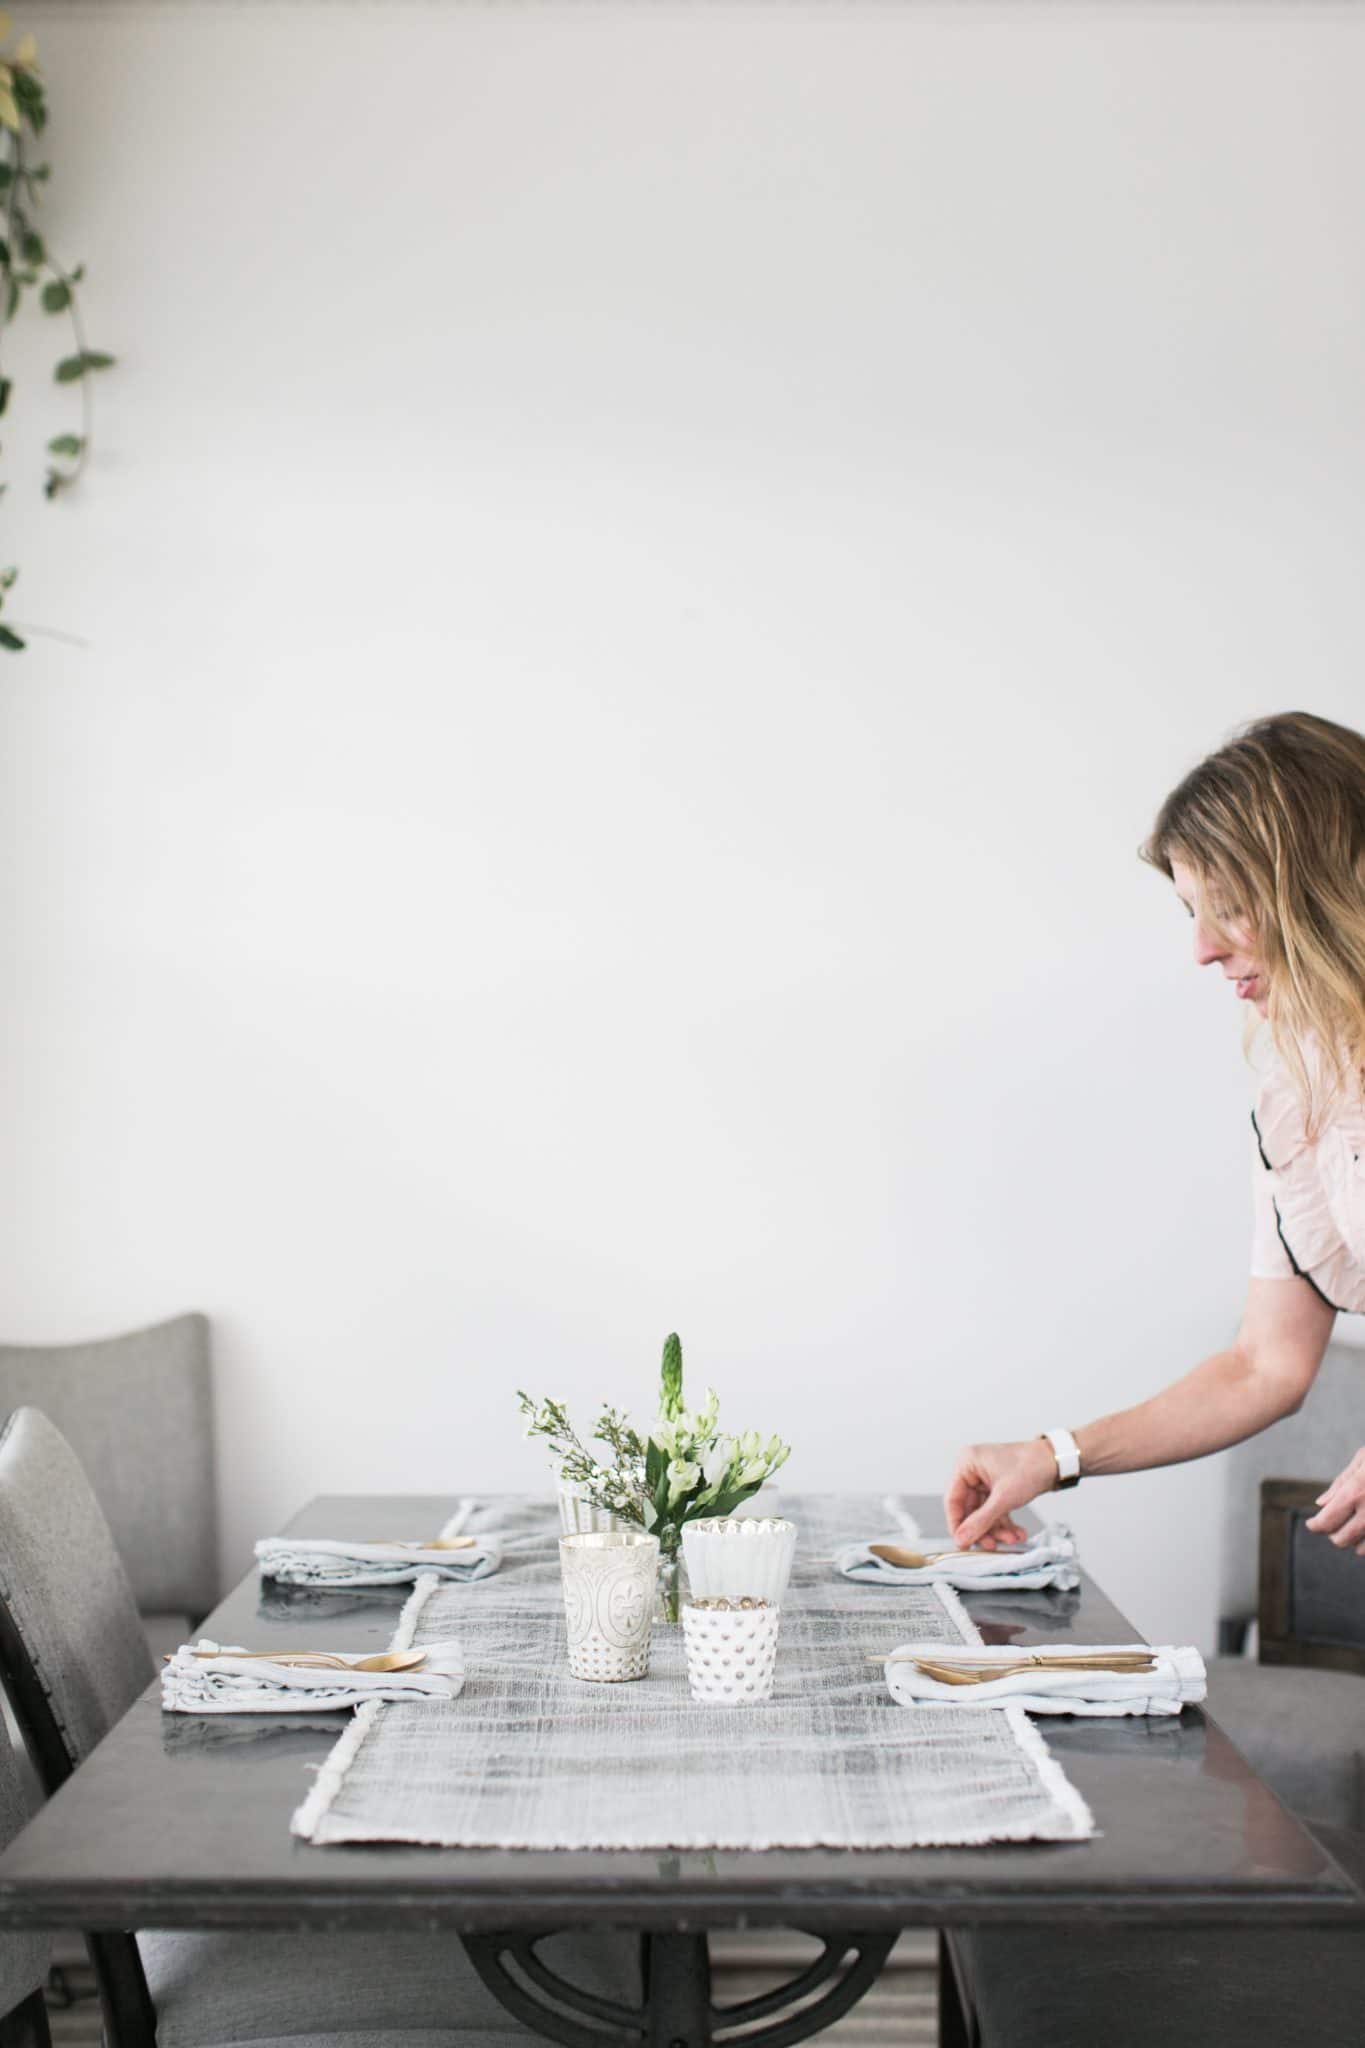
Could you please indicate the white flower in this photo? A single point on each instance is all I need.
(682, 1477)
(664, 1436)
(716, 1461)
(753, 1473)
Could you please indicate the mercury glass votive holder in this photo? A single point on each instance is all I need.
(609, 1578)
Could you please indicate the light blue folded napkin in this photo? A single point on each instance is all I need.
(313, 1561)
(1042, 1560)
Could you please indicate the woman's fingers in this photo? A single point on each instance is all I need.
(1339, 1504)
(988, 1524)
(966, 1492)
(1341, 1509)
(1351, 1531)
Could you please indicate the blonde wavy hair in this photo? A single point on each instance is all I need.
(1273, 825)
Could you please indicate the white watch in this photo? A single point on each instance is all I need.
(1067, 1452)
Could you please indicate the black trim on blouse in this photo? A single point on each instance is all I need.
(1299, 1272)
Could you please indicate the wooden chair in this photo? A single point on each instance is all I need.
(1290, 1695)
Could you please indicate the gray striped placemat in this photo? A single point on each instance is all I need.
(528, 1757)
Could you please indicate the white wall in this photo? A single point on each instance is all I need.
(646, 571)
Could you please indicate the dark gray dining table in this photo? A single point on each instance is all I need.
(179, 1822)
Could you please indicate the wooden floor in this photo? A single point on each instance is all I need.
(900, 2011)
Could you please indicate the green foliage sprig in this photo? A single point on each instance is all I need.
(683, 1467)
(27, 265)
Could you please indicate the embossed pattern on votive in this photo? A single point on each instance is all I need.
(731, 1653)
(609, 1579)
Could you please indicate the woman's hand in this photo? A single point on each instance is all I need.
(1341, 1510)
(989, 1481)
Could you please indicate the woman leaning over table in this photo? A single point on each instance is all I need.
(1265, 845)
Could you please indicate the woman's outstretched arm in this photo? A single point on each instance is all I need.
(1262, 1375)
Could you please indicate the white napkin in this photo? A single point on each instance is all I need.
(314, 1561)
(1046, 1558)
(1176, 1676)
(226, 1682)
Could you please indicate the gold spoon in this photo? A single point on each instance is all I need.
(323, 1660)
(914, 1560)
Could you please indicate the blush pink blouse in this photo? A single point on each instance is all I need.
(1309, 1192)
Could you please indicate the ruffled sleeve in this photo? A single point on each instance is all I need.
(1313, 1188)
(1269, 1259)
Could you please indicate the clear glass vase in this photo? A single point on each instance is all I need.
(672, 1585)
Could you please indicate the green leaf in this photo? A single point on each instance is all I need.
(8, 578)
(56, 297)
(65, 444)
(78, 273)
(96, 360)
(26, 87)
(4, 252)
(69, 369)
(32, 246)
(6, 386)
(11, 300)
(54, 482)
(6, 175)
(10, 640)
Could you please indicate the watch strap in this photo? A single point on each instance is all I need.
(1067, 1452)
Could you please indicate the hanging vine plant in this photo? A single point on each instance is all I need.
(28, 265)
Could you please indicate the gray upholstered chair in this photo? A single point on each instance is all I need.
(138, 1412)
(74, 1659)
(23, 1957)
(1296, 1713)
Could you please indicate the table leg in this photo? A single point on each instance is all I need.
(954, 2029)
(26, 2026)
(676, 2009)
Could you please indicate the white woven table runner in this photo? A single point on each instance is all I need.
(529, 1757)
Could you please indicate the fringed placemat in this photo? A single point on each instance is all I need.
(529, 1757)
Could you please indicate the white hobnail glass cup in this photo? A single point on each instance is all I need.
(609, 1578)
(731, 1653)
(579, 1517)
(736, 1557)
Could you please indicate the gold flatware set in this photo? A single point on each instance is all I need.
(915, 1560)
(323, 1660)
(979, 1671)
(420, 1542)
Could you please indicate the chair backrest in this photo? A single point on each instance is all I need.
(137, 1410)
(1325, 1434)
(73, 1657)
(23, 1957)
(1311, 1609)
